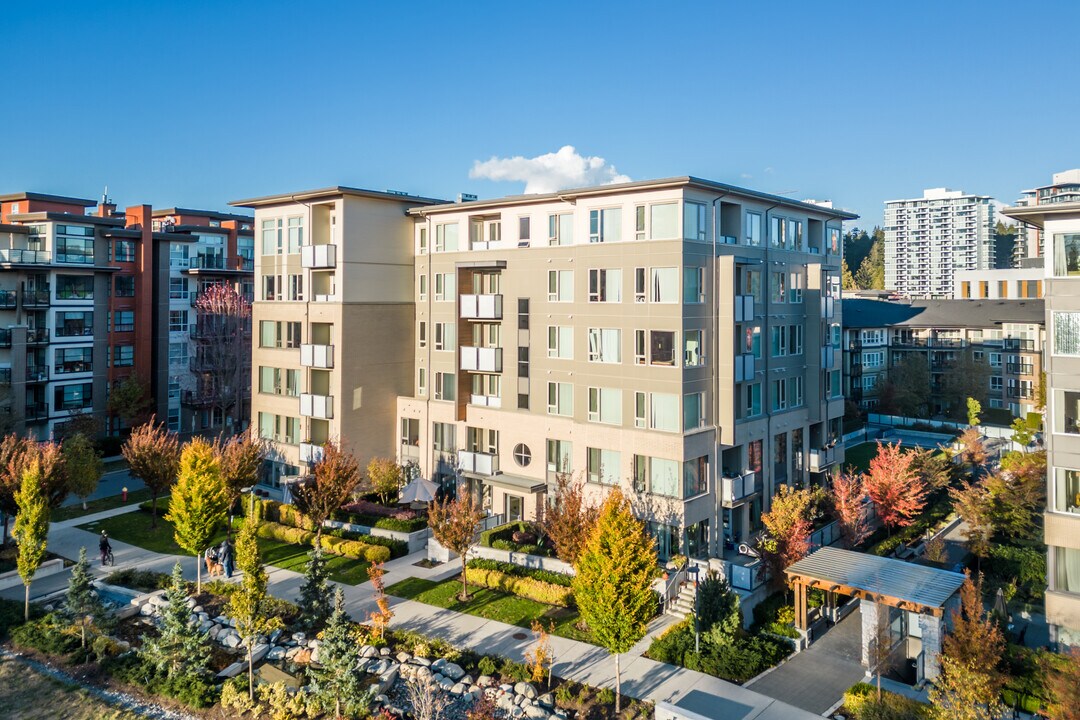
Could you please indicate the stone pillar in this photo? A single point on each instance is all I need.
(875, 617)
(932, 630)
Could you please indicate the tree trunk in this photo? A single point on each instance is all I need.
(26, 604)
(198, 573)
(464, 579)
(153, 509)
(618, 685)
(84, 504)
(251, 674)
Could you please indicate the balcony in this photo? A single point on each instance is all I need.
(319, 257)
(317, 356)
(191, 398)
(479, 463)
(909, 342)
(481, 359)
(744, 308)
(9, 299)
(736, 489)
(36, 411)
(36, 298)
(317, 406)
(410, 452)
(744, 367)
(18, 256)
(37, 373)
(821, 459)
(310, 452)
(5, 377)
(482, 307)
(37, 336)
(1021, 368)
(1019, 345)
(486, 400)
(217, 262)
(74, 330)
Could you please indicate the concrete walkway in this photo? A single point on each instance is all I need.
(641, 678)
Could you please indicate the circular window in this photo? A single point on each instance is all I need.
(522, 454)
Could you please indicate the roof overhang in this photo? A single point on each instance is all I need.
(1037, 215)
(510, 482)
(330, 193)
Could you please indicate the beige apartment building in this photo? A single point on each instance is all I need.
(332, 323)
(1058, 223)
(677, 337)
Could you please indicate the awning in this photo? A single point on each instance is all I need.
(510, 482)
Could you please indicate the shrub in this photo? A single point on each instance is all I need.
(548, 576)
(355, 549)
(486, 666)
(268, 509)
(784, 624)
(403, 525)
(738, 660)
(861, 703)
(11, 614)
(142, 580)
(48, 634)
(192, 690)
(525, 587)
(605, 696)
(289, 515)
(564, 694)
(511, 671)
(364, 507)
(398, 548)
(766, 611)
(285, 533)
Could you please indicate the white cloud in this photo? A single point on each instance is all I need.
(549, 173)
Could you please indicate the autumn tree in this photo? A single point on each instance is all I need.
(974, 411)
(248, 606)
(241, 459)
(153, 455)
(16, 456)
(223, 349)
(538, 659)
(899, 494)
(199, 504)
(453, 524)
(332, 482)
(1063, 681)
(787, 529)
(967, 378)
(972, 502)
(910, 379)
(568, 518)
(972, 449)
(613, 581)
(129, 400)
(31, 527)
(847, 499)
(969, 687)
(385, 478)
(933, 467)
(379, 619)
(1018, 496)
(82, 465)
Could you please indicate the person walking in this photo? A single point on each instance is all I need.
(225, 556)
(104, 547)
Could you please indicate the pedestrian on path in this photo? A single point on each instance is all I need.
(104, 547)
(225, 556)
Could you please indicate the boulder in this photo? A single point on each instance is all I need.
(386, 681)
(205, 625)
(259, 652)
(446, 683)
(385, 652)
(535, 712)
(365, 652)
(507, 688)
(274, 636)
(421, 661)
(198, 610)
(380, 700)
(453, 671)
(233, 670)
(215, 630)
(517, 712)
(379, 666)
(276, 653)
(361, 664)
(422, 672)
(439, 664)
(403, 657)
(299, 637)
(157, 600)
(221, 620)
(504, 702)
(485, 681)
(147, 610)
(292, 652)
(457, 688)
(547, 700)
(467, 680)
(474, 690)
(191, 603)
(526, 689)
(302, 656)
(229, 639)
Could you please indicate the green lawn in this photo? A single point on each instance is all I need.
(859, 456)
(99, 505)
(490, 604)
(134, 528)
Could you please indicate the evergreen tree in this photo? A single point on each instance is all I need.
(83, 605)
(315, 604)
(717, 608)
(31, 527)
(847, 280)
(613, 584)
(338, 684)
(199, 503)
(180, 650)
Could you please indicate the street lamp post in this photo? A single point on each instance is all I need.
(250, 492)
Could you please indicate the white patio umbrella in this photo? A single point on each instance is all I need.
(418, 491)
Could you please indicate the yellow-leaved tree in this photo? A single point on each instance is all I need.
(199, 503)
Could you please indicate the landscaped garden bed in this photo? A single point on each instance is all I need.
(518, 537)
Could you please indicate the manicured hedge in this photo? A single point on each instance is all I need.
(501, 537)
(284, 533)
(383, 523)
(548, 576)
(861, 703)
(398, 548)
(355, 549)
(525, 587)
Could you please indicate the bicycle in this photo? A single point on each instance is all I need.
(107, 558)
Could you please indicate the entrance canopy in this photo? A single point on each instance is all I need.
(904, 585)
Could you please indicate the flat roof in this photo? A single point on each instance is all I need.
(868, 313)
(1036, 214)
(45, 197)
(333, 192)
(911, 583)
(683, 180)
(213, 214)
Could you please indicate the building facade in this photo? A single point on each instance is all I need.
(333, 324)
(1058, 224)
(929, 239)
(999, 342)
(1014, 283)
(1064, 188)
(678, 337)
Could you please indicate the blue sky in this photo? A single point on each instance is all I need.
(199, 103)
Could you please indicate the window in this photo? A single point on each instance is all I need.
(1066, 334)
(561, 229)
(996, 383)
(423, 241)
(125, 250)
(278, 334)
(76, 323)
(639, 222)
(834, 388)
(73, 397)
(421, 334)
(560, 286)
(639, 410)
(559, 457)
(664, 221)
(662, 347)
(296, 234)
(421, 285)
(776, 227)
(421, 381)
(795, 387)
(693, 411)
(834, 241)
(446, 237)
(605, 406)
(795, 296)
(752, 405)
(605, 345)
(524, 230)
(665, 285)
(1066, 254)
(74, 287)
(753, 228)
(560, 399)
(872, 360)
(270, 288)
(296, 288)
(869, 382)
(523, 314)
(1066, 491)
(795, 339)
(778, 287)
(605, 285)
(752, 281)
(73, 360)
(779, 394)
(794, 235)
(560, 342)
(445, 290)
(696, 477)
(639, 285)
(603, 466)
(664, 412)
(271, 237)
(778, 345)
(445, 387)
(178, 321)
(640, 352)
(123, 321)
(522, 455)
(752, 340)
(694, 224)
(444, 336)
(664, 477)
(692, 348)
(123, 355)
(605, 225)
(693, 285)
(1067, 570)
(178, 353)
(74, 244)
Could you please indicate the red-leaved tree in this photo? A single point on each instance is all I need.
(898, 492)
(847, 499)
(787, 529)
(569, 518)
(453, 523)
(330, 485)
(223, 349)
(153, 454)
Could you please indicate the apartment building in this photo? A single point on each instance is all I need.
(84, 304)
(333, 324)
(1064, 188)
(1003, 337)
(929, 239)
(679, 337)
(1013, 283)
(1058, 224)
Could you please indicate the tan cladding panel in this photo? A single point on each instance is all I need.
(1062, 530)
(1063, 609)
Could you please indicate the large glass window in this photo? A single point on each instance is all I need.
(1067, 570)
(1067, 490)
(560, 285)
(694, 222)
(296, 234)
(125, 250)
(446, 237)
(1066, 254)
(662, 347)
(753, 228)
(664, 477)
(605, 225)
(74, 324)
(74, 244)
(692, 348)
(74, 360)
(665, 285)
(605, 345)
(664, 412)
(445, 386)
(1067, 333)
(124, 286)
(123, 355)
(559, 458)
(560, 399)
(561, 229)
(123, 321)
(693, 285)
(693, 410)
(605, 405)
(74, 287)
(604, 466)
(73, 397)
(605, 285)
(560, 342)
(665, 221)
(696, 476)
(752, 405)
